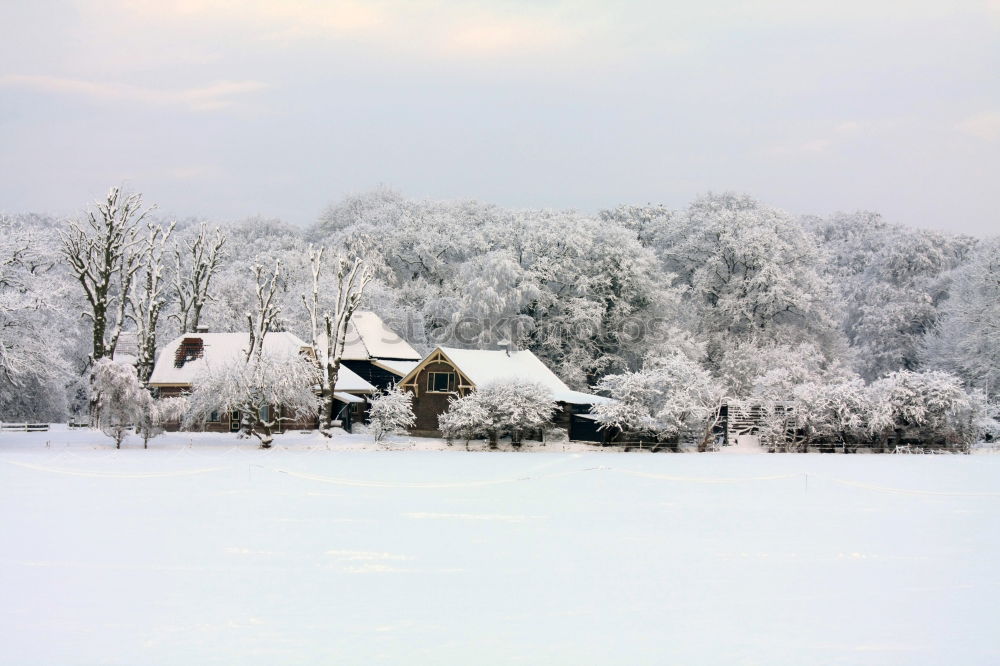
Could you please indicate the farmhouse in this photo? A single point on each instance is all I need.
(184, 358)
(448, 372)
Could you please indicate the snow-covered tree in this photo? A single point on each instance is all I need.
(671, 398)
(390, 412)
(104, 253)
(464, 419)
(966, 339)
(496, 290)
(265, 243)
(196, 261)
(120, 401)
(893, 280)
(836, 413)
(329, 329)
(651, 224)
(569, 287)
(147, 298)
(265, 389)
(262, 318)
(35, 330)
(823, 411)
(159, 413)
(752, 271)
(498, 409)
(931, 406)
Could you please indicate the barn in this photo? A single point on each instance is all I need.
(448, 372)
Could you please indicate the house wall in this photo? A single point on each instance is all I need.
(428, 406)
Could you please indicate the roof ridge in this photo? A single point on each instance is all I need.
(361, 337)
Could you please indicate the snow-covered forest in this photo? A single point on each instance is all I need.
(727, 297)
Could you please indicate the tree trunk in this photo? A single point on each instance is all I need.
(264, 435)
(332, 371)
(707, 435)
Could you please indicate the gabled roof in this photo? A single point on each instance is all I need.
(484, 366)
(172, 368)
(368, 338)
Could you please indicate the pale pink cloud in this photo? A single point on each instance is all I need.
(204, 98)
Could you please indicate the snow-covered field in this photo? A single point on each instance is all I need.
(211, 553)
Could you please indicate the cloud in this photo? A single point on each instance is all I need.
(984, 126)
(471, 29)
(206, 98)
(270, 19)
(487, 33)
(327, 15)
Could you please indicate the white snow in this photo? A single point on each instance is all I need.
(346, 397)
(401, 368)
(206, 550)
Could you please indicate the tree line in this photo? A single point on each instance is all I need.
(728, 295)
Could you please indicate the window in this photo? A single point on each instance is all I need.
(440, 382)
(213, 417)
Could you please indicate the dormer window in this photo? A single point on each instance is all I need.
(189, 350)
(441, 382)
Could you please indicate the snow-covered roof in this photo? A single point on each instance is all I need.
(348, 380)
(580, 398)
(401, 368)
(368, 337)
(484, 366)
(222, 348)
(127, 349)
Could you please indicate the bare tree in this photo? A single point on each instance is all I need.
(260, 321)
(196, 262)
(147, 303)
(329, 330)
(104, 256)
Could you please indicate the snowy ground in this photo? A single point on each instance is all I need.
(211, 553)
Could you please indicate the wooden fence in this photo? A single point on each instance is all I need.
(23, 427)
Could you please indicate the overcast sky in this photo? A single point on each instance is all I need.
(230, 108)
